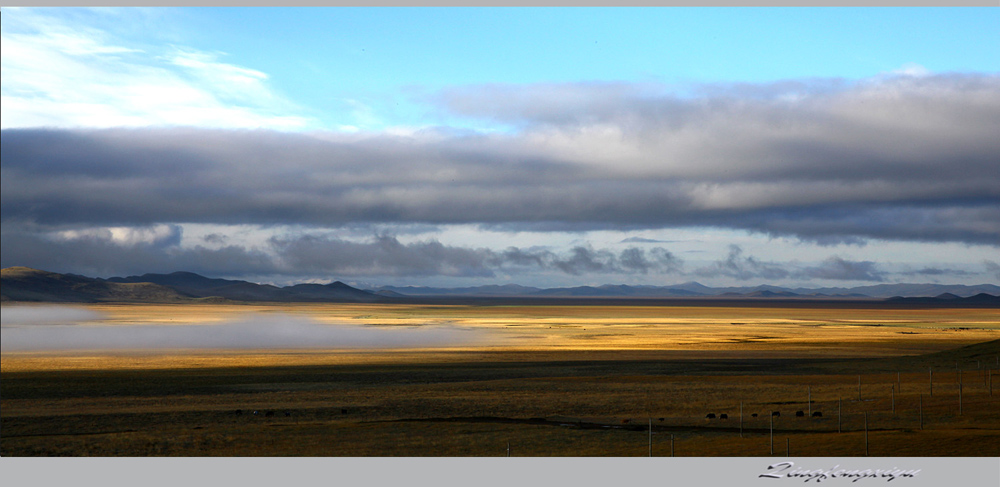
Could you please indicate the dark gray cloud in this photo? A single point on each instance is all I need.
(385, 256)
(93, 254)
(645, 240)
(834, 268)
(514, 256)
(992, 268)
(937, 271)
(898, 158)
(215, 238)
(838, 269)
(584, 260)
(736, 266)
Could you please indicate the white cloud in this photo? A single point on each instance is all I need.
(159, 235)
(912, 69)
(58, 74)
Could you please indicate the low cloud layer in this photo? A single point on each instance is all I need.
(254, 332)
(735, 265)
(99, 253)
(313, 256)
(896, 157)
(834, 268)
(993, 268)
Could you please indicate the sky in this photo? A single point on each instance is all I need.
(547, 147)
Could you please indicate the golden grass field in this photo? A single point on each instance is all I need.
(549, 380)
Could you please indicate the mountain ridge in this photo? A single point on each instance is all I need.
(26, 284)
(33, 285)
(695, 289)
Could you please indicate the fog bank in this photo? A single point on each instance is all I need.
(45, 315)
(254, 332)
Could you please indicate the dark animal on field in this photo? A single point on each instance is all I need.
(817, 414)
(626, 421)
(239, 412)
(710, 416)
(288, 414)
(661, 419)
(343, 411)
(723, 416)
(269, 414)
(754, 415)
(776, 413)
(799, 414)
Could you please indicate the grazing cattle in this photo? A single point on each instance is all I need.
(799, 414)
(723, 416)
(754, 415)
(269, 414)
(343, 411)
(626, 421)
(776, 414)
(817, 414)
(710, 416)
(239, 412)
(661, 419)
(288, 414)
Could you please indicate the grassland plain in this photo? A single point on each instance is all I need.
(548, 381)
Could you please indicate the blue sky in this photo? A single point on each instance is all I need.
(373, 66)
(544, 146)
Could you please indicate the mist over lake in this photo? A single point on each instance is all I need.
(57, 328)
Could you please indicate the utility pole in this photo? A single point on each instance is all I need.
(959, 388)
(840, 408)
(921, 406)
(866, 433)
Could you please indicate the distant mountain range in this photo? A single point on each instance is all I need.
(694, 289)
(26, 284)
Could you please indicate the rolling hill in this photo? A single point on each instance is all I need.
(26, 284)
